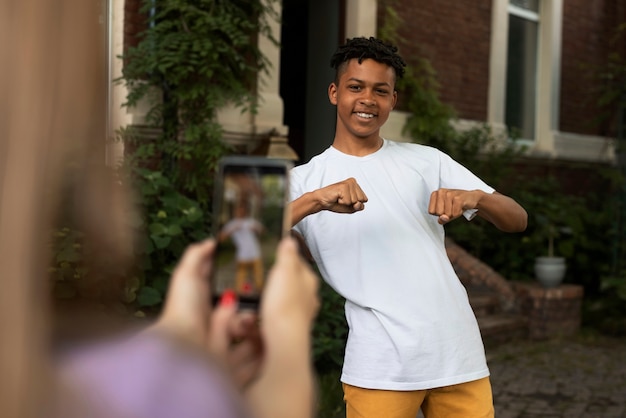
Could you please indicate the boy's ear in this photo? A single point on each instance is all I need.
(332, 93)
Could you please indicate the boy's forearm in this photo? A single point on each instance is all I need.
(503, 212)
(303, 206)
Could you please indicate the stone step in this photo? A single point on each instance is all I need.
(503, 327)
(484, 303)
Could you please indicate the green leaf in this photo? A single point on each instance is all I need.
(157, 228)
(161, 242)
(174, 230)
(149, 296)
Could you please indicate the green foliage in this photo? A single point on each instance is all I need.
(171, 221)
(200, 56)
(194, 58)
(608, 311)
(330, 402)
(67, 269)
(330, 331)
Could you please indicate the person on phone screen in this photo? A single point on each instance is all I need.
(244, 231)
(372, 213)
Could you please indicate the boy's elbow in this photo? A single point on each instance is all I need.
(522, 222)
(517, 223)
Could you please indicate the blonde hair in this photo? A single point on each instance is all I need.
(52, 98)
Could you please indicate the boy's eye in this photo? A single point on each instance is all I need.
(382, 92)
(354, 87)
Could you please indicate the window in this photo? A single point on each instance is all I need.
(521, 69)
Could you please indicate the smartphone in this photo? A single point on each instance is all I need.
(249, 219)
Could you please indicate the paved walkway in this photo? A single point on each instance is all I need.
(574, 377)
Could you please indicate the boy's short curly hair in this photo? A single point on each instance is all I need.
(363, 48)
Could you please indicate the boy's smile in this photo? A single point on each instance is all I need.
(364, 96)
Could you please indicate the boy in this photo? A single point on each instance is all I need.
(371, 212)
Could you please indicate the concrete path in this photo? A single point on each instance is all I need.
(574, 377)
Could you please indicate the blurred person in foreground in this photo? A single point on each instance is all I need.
(192, 361)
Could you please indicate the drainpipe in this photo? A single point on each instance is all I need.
(619, 249)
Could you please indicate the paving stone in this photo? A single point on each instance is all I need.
(569, 377)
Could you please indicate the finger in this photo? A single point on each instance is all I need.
(432, 204)
(457, 206)
(196, 255)
(438, 202)
(361, 194)
(220, 337)
(356, 193)
(245, 364)
(186, 306)
(287, 252)
(244, 325)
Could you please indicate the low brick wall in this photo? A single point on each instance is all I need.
(551, 312)
(473, 272)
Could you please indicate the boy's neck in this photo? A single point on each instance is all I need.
(358, 147)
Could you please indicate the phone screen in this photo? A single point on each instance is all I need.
(251, 197)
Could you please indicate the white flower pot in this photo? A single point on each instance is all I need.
(550, 271)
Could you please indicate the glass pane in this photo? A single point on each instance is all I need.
(521, 76)
(532, 5)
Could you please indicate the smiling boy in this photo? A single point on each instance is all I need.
(371, 212)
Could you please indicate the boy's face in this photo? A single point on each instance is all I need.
(364, 96)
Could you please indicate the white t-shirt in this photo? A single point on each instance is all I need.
(243, 232)
(411, 324)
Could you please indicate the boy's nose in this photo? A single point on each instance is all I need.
(368, 98)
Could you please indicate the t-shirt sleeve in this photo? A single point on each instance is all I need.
(453, 175)
(295, 191)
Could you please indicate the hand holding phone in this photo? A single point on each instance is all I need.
(249, 220)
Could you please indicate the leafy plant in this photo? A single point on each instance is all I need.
(171, 221)
(330, 331)
(608, 311)
(67, 268)
(198, 56)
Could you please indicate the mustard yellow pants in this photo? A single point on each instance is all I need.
(466, 400)
(243, 270)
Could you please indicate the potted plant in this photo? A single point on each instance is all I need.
(557, 221)
(550, 269)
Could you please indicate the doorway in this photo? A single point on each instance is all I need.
(311, 31)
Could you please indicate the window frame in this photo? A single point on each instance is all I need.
(550, 16)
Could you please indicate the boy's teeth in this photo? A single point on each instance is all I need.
(365, 115)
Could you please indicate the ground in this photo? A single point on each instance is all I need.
(574, 377)
(581, 376)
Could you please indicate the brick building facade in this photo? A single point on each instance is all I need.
(466, 44)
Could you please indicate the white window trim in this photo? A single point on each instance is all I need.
(548, 68)
(523, 13)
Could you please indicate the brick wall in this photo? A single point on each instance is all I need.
(552, 312)
(455, 37)
(134, 22)
(587, 29)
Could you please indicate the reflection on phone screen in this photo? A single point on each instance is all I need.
(249, 227)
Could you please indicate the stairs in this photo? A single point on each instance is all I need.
(493, 299)
(496, 326)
